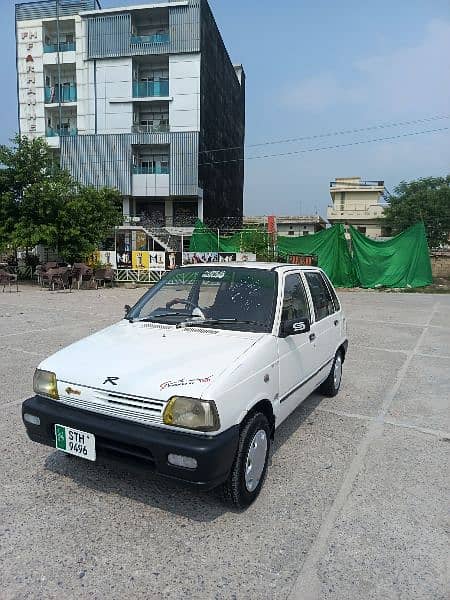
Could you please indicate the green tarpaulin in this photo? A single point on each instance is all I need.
(403, 261)
(331, 249)
(205, 239)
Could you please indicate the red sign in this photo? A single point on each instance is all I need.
(271, 224)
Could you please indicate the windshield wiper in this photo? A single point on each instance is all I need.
(158, 316)
(201, 322)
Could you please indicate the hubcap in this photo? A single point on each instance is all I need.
(256, 459)
(337, 371)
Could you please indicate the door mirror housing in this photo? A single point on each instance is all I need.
(294, 327)
(127, 309)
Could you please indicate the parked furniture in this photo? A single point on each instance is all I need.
(58, 277)
(81, 273)
(8, 279)
(104, 276)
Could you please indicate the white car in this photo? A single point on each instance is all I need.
(198, 376)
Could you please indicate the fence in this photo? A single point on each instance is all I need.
(138, 275)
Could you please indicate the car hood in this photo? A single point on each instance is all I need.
(154, 361)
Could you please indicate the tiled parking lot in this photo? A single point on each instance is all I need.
(353, 506)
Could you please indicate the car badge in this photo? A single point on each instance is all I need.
(71, 391)
(111, 380)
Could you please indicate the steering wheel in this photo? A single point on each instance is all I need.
(196, 310)
(180, 301)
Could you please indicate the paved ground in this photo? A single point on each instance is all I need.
(353, 506)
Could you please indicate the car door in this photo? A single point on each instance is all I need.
(297, 354)
(327, 323)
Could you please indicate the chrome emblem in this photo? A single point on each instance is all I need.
(71, 391)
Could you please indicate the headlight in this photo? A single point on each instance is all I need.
(191, 413)
(44, 384)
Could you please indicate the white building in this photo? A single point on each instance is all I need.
(358, 203)
(294, 225)
(136, 98)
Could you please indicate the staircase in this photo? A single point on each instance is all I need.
(167, 240)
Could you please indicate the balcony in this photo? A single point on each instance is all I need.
(151, 89)
(155, 169)
(63, 93)
(155, 38)
(156, 128)
(56, 132)
(61, 47)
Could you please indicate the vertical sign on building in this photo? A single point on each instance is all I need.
(30, 81)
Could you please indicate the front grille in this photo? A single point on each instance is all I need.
(132, 408)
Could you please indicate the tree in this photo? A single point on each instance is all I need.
(426, 199)
(44, 205)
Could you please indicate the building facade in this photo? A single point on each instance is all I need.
(137, 98)
(358, 203)
(294, 226)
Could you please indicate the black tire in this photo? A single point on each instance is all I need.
(330, 387)
(235, 490)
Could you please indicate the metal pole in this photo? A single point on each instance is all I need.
(218, 239)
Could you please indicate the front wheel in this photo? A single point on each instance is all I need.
(330, 387)
(250, 464)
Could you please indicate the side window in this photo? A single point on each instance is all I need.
(336, 303)
(295, 303)
(322, 300)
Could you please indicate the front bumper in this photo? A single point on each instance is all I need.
(140, 443)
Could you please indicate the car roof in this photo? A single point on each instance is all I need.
(267, 266)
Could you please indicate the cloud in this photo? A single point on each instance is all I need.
(408, 80)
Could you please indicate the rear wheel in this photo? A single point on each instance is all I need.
(250, 464)
(330, 387)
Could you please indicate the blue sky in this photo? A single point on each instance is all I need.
(315, 67)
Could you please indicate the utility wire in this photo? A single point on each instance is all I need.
(333, 147)
(333, 133)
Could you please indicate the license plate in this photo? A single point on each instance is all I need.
(73, 441)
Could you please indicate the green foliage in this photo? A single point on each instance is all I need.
(426, 199)
(42, 204)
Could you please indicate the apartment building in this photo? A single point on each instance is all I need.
(295, 225)
(138, 98)
(358, 203)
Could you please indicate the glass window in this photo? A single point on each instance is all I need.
(212, 296)
(322, 300)
(295, 303)
(336, 303)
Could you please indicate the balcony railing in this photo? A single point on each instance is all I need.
(150, 170)
(161, 128)
(61, 93)
(56, 132)
(63, 47)
(149, 89)
(155, 38)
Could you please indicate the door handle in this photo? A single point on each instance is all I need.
(336, 322)
(312, 337)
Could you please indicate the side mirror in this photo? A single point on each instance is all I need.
(294, 327)
(127, 309)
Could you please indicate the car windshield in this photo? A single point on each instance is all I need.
(234, 298)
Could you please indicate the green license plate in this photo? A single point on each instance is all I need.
(73, 441)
